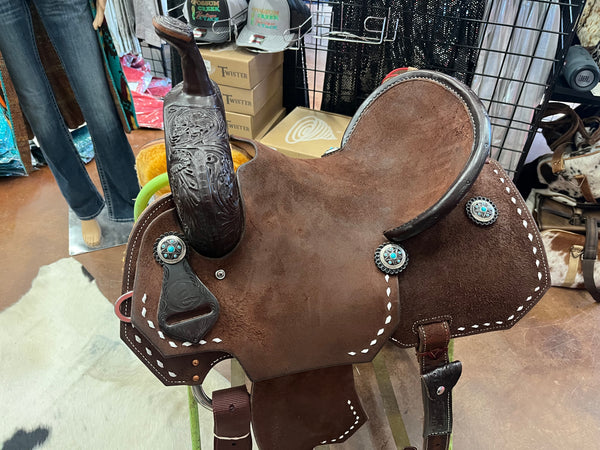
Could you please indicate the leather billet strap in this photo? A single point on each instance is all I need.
(438, 376)
(590, 254)
(231, 411)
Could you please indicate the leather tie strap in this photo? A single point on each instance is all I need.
(558, 162)
(575, 256)
(586, 189)
(438, 377)
(569, 123)
(590, 253)
(231, 411)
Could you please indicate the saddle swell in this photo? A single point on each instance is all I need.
(300, 294)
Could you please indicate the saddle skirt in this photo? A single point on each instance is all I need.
(302, 297)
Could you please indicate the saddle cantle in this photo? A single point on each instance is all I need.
(301, 268)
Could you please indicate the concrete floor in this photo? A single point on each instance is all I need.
(530, 387)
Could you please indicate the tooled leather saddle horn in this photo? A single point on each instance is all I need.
(299, 269)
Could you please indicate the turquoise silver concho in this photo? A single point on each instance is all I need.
(482, 211)
(391, 258)
(169, 249)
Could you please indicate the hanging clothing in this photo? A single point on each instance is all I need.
(16, 160)
(120, 18)
(145, 10)
(518, 49)
(62, 89)
(10, 159)
(56, 75)
(431, 34)
(69, 26)
(117, 81)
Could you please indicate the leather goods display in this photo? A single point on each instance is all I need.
(570, 236)
(572, 167)
(408, 233)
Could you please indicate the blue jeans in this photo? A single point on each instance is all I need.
(69, 26)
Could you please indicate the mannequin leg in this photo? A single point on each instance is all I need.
(69, 25)
(91, 232)
(37, 101)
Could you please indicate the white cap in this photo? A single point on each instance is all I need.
(268, 26)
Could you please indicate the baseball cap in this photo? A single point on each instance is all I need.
(215, 21)
(273, 24)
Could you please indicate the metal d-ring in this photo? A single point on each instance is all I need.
(201, 397)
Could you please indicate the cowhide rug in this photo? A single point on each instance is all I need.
(67, 381)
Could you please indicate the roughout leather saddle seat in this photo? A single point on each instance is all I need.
(302, 268)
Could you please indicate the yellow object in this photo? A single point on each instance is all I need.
(151, 161)
(239, 158)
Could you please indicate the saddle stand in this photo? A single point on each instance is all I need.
(301, 268)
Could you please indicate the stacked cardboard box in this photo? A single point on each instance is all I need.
(307, 133)
(251, 85)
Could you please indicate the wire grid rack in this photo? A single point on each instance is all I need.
(159, 59)
(353, 45)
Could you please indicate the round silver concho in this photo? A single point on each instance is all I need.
(170, 249)
(482, 211)
(391, 258)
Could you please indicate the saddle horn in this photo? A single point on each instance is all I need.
(199, 163)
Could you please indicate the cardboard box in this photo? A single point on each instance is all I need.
(247, 126)
(274, 121)
(250, 101)
(307, 133)
(230, 65)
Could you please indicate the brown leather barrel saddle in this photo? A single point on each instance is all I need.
(299, 269)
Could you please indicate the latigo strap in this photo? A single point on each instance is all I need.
(231, 411)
